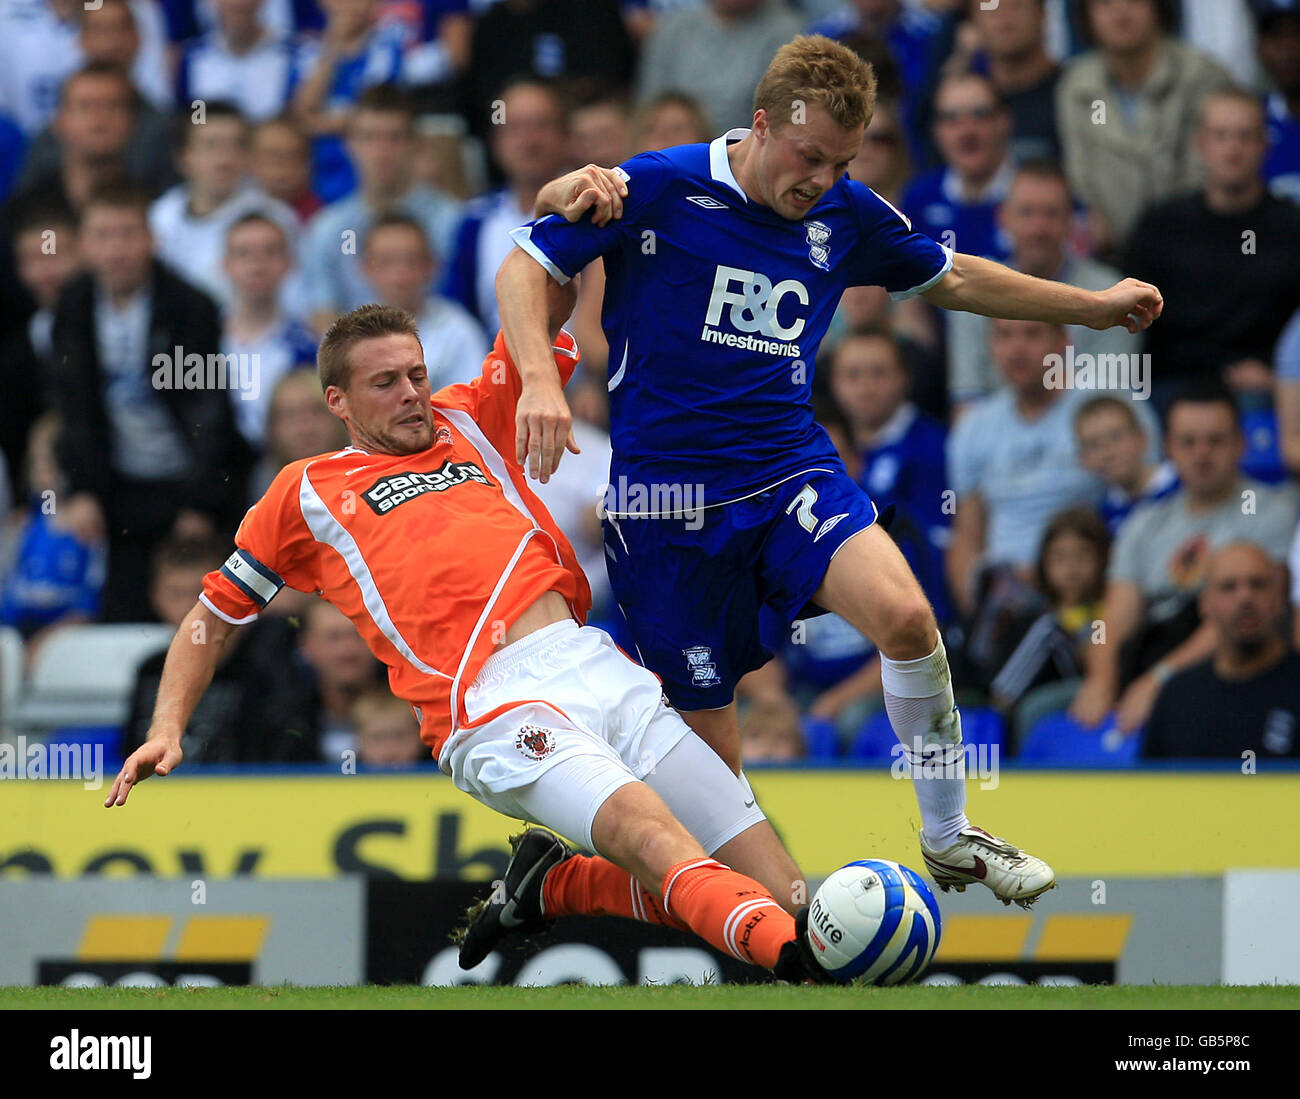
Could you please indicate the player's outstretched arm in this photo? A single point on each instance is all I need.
(528, 298)
(191, 660)
(981, 286)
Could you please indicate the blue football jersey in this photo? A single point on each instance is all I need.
(715, 307)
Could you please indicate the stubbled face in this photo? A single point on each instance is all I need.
(257, 259)
(117, 247)
(386, 404)
(796, 163)
(1123, 26)
(399, 267)
(1036, 215)
(44, 267)
(1072, 567)
(1205, 446)
(972, 132)
(1020, 350)
(1232, 143)
(1243, 597)
(1111, 447)
(867, 380)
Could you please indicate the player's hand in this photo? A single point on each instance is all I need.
(1091, 703)
(1129, 304)
(600, 190)
(158, 756)
(543, 431)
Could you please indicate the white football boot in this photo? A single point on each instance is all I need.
(977, 856)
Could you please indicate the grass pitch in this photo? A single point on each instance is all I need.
(674, 998)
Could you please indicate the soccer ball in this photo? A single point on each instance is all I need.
(874, 920)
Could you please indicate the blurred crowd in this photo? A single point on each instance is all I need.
(1103, 521)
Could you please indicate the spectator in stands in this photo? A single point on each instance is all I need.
(882, 162)
(1278, 24)
(190, 222)
(1224, 258)
(239, 61)
(530, 145)
(402, 268)
(915, 36)
(109, 40)
(717, 49)
(237, 719)
(299, 424)
(1042, 663)
(1158, 566)
(255, 327)
(1036, 218)
(1126, 112)
(281, 165)
(1287, 393)
(1113, 444)
(381, 140)
(54, 579)
(1008, 43)
(769, 733)
(901, 452)
(583, 44)
(92, 128)
(41, 44)
(387, 733)
(340, 669)
(1013, 463)
(670, 118)
(600, 132)
(957, 203)
(111, 32)
(148, 456)
(1246, 696)
(45, 254)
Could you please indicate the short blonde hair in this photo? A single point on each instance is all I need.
(817, 69)
(364, 323)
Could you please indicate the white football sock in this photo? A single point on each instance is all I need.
(918, 699)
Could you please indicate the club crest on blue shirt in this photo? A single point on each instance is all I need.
(819, 239)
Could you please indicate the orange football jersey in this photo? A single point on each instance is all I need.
(432, 555)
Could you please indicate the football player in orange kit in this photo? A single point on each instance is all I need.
(424, 532)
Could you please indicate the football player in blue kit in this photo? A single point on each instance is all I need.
(724, 263)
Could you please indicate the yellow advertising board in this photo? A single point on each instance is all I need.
(190, 826)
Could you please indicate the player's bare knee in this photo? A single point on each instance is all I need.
(911, 631)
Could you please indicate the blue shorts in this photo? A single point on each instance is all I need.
(692, 588)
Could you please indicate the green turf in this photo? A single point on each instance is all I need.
(676, 997)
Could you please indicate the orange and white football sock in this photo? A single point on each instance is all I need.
(583, 886)
(728, 910)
